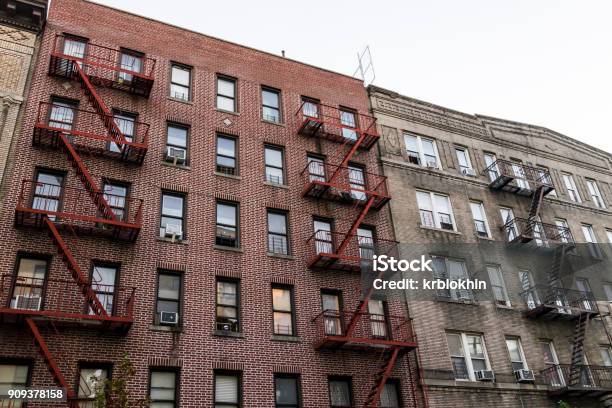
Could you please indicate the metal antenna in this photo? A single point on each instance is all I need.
(365, 69)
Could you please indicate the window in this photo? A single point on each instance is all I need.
(323, 236)
(163, 389)
(274, 158)
(270, 105)
(609, 235)
(435, 210)
(357, 183)
(228, 389)
(563, 229)
(511, 229)
(500, 294)
(173, 216)
(29, 286)
(330, 303)
(586, 294)
(48, 192)
(378, 318)
(543, 175)
(130, 61)
(91, 382)
(421, 151)
(176, 143)
(104, 278)
(390, 396)
(340, 392)
(595, 194)
(468, 354)
(316, 168)
(310, 107)
(227, 225)
(62, 114)
(606, 356)
(169, 289)
(515, 350)
(226, 94)
(570, 185)
(228, 301)
(454, 270)
(519, 174)
(492, 167)
(480, 219)
(115, 195)
(125, 122)
(226, 155)
(463, 158)
(348, 120)
(278, 242)
(591, 240)
(365, 240)
(528, 288)
(554, 372)
(180, 82)
(287, 390)
(75, 47)
(282, 308)
(13, 376)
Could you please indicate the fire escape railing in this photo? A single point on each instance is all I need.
(515, 176)
(590, 378)
(524, 230)
(565, 300)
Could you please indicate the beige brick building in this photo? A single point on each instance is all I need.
(456, 181)
(20, 23)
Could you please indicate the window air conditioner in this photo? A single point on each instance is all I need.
(524, 376)
(28, 302)
(176, 154)
(469, 172)
(170, 318)
(432, 164)
(484, 375)
(173, 231)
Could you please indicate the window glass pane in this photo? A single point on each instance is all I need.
(172, 206)
(226, 388)
(474, 344)
(348, 119)
(226, 214)
(168, 306)
(283, 323)
(442, 204)
(281, 299)
(177, 136)
(227, 293)
(424, 201)
(274, 157)
(477, 211)
(388, 397)
(32, 268)
(91, 380)
(104, 276)
(226, 103)
(286, 391)
(180, 75)
(269, 98)
(163, 385)
(340, 393)
(428, 147)
(513, 349)
(13, 374)
(277, 223)
(454, 344)
(179, 92)
(226, 146)
(226, 87)
(169, 286)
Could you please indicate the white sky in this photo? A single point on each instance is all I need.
(544, 62)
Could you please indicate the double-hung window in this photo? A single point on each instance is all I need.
(435, 210)
(12, 377)
(543, 174)
(287, 390)
(278, 242)
(595, 193)
(330, 303)
(357, 182)
(570, 186)
(176, 143)
(310, 107)
(172, 223)
(92, 379)
(48, 192)
(390, 395)
(316, 169)
(275, 164)
(228, 306)
(340, 392)
(606, 356)
(554, 374)
(463, 158)
(180, 82)
(168, 300)
(29, 283)
(130, 61)
(163, 391)
(453, 270)
(62, 114)
(365, 240)
(498, 285)
(75, 47)
(508, 223)
(519, 173)
(226, 94)
(125, 122)
(227, 225)
(348, 121)
(226, 155)
(282, 310)
(270, 105)
(115, 195)
(468, 354)
(104, 278)
(491, 165)
(563, 230)
(480, 219)
(421, 151)
(323, 236)
(228, 389)
(515, 350)
(591, 240)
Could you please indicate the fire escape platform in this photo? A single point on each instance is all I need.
(592, 382)
(557, 303)
(101, 64)
(529, 230)
(517, 178)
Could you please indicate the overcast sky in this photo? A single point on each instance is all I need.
(544, 62)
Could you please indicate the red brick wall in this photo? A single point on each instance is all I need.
(197, 349)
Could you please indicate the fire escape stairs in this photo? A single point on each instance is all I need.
(534, 209)
(389, 358)
(578, 350)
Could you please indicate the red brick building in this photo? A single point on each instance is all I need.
(164, 200)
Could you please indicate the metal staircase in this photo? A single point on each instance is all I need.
(578, 350)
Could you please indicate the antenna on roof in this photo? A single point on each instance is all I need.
(365, 69)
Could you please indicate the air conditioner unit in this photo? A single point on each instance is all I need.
(469, 172)
(173, 231)
(432, 164)
(176, 154)
(170, 318)
(446, 226)
(524, 376)
(484, 375)
(28, 302)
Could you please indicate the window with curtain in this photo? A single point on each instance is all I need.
(287, 390)
(340, 392)
(162, 389)
(454, 270)
(227, 390)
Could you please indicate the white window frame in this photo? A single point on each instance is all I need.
(434, 211)
(493, 161)
(570, 186)
(542, 170)
(468, 161)
(480, 204)
(421, 153)
(456, 295)
(516, 231)
(466, 353)
(595, 193)
(502, 286)
(589, 233)
(562, 223)
(554, 362)
(520, 350)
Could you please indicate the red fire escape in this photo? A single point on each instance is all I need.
(86, 211)
(391, 336)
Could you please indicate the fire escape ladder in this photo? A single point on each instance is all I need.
(534, 209)
(49, 359)
(554, 278)
(390, 356)
(578, 350)
(75, 270)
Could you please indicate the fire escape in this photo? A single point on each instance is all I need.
(551, 300)
(91, 211)
(340, 181)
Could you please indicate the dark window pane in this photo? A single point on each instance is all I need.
(287, 391)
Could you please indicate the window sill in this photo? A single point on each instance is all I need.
(456, 301)
(176, 241)
(484, 238)
(290, 339)
(226, 248)
(267, 183)
(505, 307)
(440, 230)
(281, 256)
(161, 328)
(176, 166)
(221, 333)
(274, 123)
(229, 176)
(228, 112)
(187, 102)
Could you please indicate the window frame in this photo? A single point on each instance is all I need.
(189, 87)
(468, 160)
(177, 382)
(283, 169)
(228, 373)
(520, 350)
(503, 287)
(298, 390)
(469, 366)
(183, 218)
(396, 383)
(450, 294)
(435, 213)
(236, 282)
(287, 241)
(595, 193)
(234, 99)
(421, 151)
(23, 362)
(341, 378)
(480, 204)
(277, 91)
(105, 264)
(89, 365)
(181, 277)
(62, 190)
(292, 312)
(237, 222)
(570, 186)
(187, 129)
(43, 288)
(235, 158)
